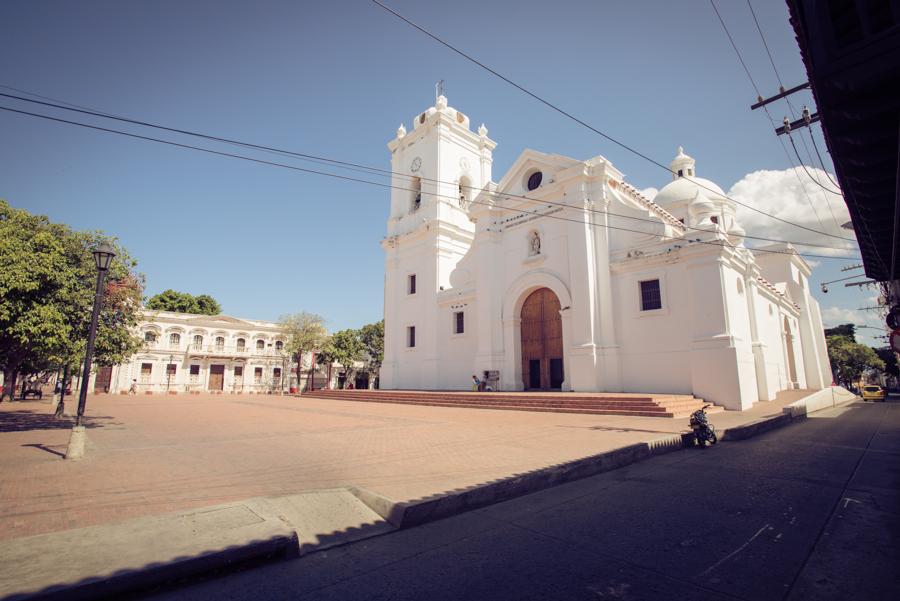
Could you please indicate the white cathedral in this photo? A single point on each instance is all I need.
(562, 276)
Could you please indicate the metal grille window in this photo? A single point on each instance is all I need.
(651, 298)
(146, 371)
(198, 342)
(174, 340)
(257, 375)
(195, 374)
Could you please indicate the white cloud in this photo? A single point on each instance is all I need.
(649, 193)
(835, 316)
(791, 195)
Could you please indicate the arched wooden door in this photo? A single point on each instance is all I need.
(542, 343)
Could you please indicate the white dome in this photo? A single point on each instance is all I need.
(685, 189)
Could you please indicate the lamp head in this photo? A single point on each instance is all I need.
(103, 256)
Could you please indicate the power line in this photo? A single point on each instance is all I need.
(588, 126)
(342, 164)
(791, 138)
(769, 115)
(390, 186)
(793, 116)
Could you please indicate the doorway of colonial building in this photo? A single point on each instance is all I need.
(103, 379)
(542, 343)
(216, 377)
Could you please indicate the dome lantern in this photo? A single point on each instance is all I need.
(682, 165)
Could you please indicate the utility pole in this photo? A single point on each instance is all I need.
(806, 118)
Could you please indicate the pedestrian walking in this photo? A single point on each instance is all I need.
(476, 384)
(133, 389)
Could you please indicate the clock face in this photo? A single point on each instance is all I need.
(416, 164)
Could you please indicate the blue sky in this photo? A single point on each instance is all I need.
(336, 79)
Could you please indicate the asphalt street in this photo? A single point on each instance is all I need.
(810, 511)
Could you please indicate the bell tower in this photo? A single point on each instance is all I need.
(438, 169)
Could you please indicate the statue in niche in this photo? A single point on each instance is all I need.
(534, 245)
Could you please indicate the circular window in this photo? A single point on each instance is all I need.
(534, 180)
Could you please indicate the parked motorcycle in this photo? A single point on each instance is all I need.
(703, 430)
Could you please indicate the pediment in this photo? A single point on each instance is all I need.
(530, 160)
(219, 320)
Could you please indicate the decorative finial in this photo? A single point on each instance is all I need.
(680, 150)
(401, 131)
(482, 130)
(441, 103)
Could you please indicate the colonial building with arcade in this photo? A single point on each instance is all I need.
(562, 276)
(183, 352)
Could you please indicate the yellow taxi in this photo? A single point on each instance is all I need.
(872, 393)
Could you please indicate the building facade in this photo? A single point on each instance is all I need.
(205, 353)
(562, 276)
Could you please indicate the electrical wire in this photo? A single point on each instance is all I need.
(590, 127)
(58, 104)
(807, 170)
(390, 186)
(793, 117)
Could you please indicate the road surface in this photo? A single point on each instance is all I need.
(811, 511)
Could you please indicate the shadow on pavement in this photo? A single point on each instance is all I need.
(24, 421)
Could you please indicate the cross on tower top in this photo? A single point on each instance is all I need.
(438, 89)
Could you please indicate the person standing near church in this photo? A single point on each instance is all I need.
(476, 383)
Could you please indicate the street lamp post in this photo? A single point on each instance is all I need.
(103, 256)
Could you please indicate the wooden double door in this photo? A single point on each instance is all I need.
(542, 341)
(216, 377)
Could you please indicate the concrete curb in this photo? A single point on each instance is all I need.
(112, 586)
(408, 514)
(757, 427)
(158, 551)
(798, 410)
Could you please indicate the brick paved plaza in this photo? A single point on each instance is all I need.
(153, 454)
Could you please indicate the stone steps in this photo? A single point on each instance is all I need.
(673, 406)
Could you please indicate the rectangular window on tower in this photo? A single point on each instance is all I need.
(459, 322)
(651, 298)
(411, 284)
(411, 336)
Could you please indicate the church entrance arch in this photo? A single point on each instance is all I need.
(542, 341)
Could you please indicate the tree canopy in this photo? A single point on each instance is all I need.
(47, 284)
(849, 359)
(304, 332)
(346, 347)
(183, 302)
(372, 336)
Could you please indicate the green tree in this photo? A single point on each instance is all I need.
(305, 332)
(372, 337)
(47, 280)
(889, 357)
(207, 305)
(347, 348)
(847, 329)
(183, 302)
(850, 360)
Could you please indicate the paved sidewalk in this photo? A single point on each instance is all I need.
(805, 513)
(150, 455)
